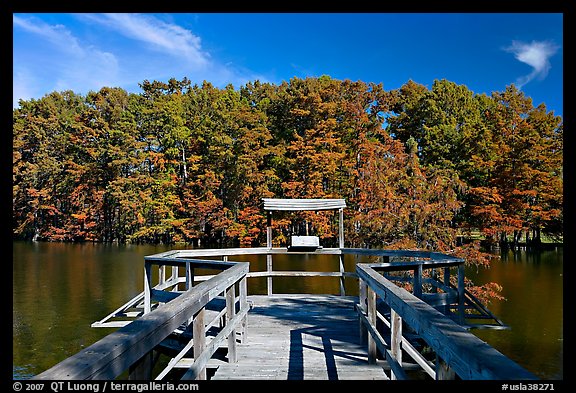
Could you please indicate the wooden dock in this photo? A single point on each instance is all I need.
(211, 328)
(301, 337)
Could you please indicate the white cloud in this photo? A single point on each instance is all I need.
(58, 61)
(161, 36)
(536, 54)
(56, 35)
(115, 50)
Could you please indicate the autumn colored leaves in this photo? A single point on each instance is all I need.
(191, 163)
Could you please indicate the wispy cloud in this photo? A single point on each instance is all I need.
(116, 50)
(188, 57)
(72, 65)
(57, 35)
(161, 36)
(536, 54)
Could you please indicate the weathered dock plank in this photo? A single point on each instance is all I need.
(302, 337)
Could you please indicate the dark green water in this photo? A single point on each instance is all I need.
(533, 288)
(60, 289)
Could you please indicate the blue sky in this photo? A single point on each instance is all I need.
(484, 51)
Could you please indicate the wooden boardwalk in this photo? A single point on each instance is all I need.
(301, 337)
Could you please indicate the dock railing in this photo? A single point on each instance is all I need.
(269, 273)
(457, 351)
(130, 348)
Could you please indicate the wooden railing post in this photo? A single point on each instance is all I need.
(443, 371)
(142, 368)
(362, 300)
(174, 277)
(417, 282)
(269, 256)
(372, 319)
(147, 287)
(341, 228)
(189, 283)
(161, 274)
(199, 337)
(174, 272)
(189, 276)
(395, 338)
(434, 288)
(243, 305)
(269, 290)
(461, 293)
(230, 312)
(447, 284)
(342, 288)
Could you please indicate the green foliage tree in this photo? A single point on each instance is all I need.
(41, 135)
(190, 163)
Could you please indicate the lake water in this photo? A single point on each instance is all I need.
(533, 288)
(60, 289)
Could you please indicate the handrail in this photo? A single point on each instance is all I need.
(179, 257)
(435, 260)
(126, 347)
(451, 297)
(463, 352)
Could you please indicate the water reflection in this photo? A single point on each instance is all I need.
(533, 308)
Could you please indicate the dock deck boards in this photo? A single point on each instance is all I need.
(301, 337)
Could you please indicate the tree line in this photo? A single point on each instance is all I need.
(183, 162)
